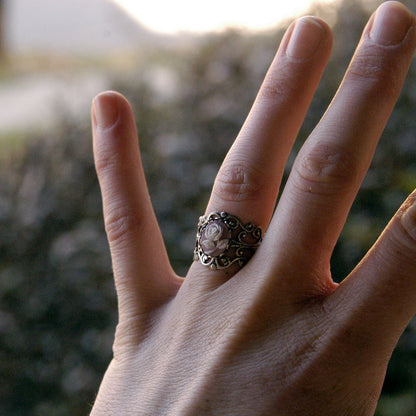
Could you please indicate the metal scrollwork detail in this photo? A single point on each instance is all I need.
(222, 240)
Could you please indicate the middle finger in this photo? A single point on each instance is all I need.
(331, 165)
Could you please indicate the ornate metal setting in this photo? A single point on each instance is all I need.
(222, 240)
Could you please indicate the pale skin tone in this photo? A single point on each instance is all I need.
(277, 337)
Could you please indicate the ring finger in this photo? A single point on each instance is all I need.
(248, 181)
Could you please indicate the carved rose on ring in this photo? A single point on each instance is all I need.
(214, 238)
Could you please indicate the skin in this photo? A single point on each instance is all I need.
(277, 337)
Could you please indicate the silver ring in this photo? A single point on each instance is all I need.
(222, 240)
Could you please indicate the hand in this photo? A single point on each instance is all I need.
(278, 336)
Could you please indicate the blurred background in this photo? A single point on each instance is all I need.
(191, 82)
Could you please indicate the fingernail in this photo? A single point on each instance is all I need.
(105, 110)
(391, 23)
(409, 220)
(305, 38)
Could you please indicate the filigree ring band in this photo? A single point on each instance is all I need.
(222, 240)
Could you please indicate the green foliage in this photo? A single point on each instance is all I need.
(57, 304)
(57, 301)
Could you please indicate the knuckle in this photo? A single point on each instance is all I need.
(120, 223)
(237, 182)
(284, 82)
(276, 89)
(366, 67)
(375, 69)
(105, 161)
(325, 169)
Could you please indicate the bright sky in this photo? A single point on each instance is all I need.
(170, 16)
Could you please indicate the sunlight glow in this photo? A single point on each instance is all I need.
(196, 16)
